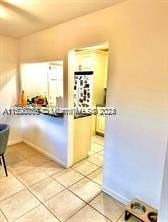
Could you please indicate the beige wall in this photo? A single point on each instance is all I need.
(9, 85)
(8, 70)
(135, 141)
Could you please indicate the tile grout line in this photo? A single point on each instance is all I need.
(51, 176)
(119, 217)
(95, 163)
(66, 188)
(12, 195)
(98, 210)
(96, 152)
(51, 160)
(89, 203)
(38, 167)
(40, 203)
(75, 212)
(92, 179)
(22, 154)
(54, 214)
(4, 215)
(27, 188)
(89, 173)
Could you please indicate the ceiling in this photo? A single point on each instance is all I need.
(23, 17)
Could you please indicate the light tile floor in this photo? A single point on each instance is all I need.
(39, 190)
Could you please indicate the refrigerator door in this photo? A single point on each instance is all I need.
(83, 89)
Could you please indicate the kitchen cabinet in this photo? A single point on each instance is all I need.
(84, 61)
(82, 138)
(100, 123)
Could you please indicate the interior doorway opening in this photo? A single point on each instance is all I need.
(90, 67)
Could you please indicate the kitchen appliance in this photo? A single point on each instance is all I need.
(83, 89)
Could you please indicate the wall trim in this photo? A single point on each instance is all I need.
(13, 142)
(50, 156)
(115, 195)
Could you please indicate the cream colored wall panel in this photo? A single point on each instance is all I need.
(100, 77)
(9, 87)
(8, 71)
(82, 138)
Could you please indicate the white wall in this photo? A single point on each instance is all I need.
(9, 84)
(45, 133)
(163, 213)
(34, 79)
(48, 134)
(135, 140)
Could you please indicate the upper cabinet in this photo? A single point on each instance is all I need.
(84, 61)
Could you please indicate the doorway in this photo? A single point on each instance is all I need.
(90, 70)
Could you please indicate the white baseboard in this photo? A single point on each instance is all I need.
(13, 142)
(115, 195)
(42, 151)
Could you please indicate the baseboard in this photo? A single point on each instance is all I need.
(42, 151)
(13, 142)
(115, 195)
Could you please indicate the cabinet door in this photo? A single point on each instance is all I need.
(84, 62)
(82, 138)
(100, 126)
